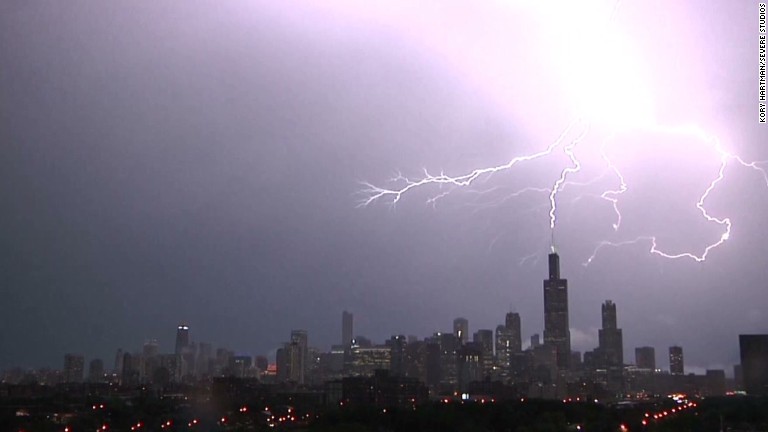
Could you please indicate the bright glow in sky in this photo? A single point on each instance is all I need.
(597, 63)
(603, 84)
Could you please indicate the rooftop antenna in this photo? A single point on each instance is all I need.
(552, 241)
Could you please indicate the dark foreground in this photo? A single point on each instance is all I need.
(152, 411)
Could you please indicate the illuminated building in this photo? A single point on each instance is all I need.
(73, 368)
(484, 339)
(441, 371)
(503, 349)
(470, 364)
(366, 360)
(449, 345)
(610, 337)
(461, 329)
(182, 338)
(645, 358)
(556, 331)
(754, 363)
(676, 360)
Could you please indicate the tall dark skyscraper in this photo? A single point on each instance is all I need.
(397, 360)
(754, 363)
(610, 337)
(182, 338)
(346, 329)
(556, 330)
(676, 360)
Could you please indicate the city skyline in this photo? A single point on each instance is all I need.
(207, 170)
(607, 316)
(507, 341)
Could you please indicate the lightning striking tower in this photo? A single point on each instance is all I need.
(556, 330)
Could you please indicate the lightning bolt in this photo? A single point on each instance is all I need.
(568, 150)
(403, 185)
(725, 158)
(612, 195)
(373, 193)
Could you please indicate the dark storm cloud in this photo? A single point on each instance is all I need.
(200, 163)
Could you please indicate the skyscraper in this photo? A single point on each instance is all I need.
(556, 330)
(96, 370)
(512, 323)
(461, 329)
(508, 341)
(753, 350)
(298, 356)
(73, 368)
(502, 346)
(397, 359)
(182, 338)
(645, 357)
(676, 360)
(346, 329)
(484, 339)
(610, 337)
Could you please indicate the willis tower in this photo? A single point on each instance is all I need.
(556, 330)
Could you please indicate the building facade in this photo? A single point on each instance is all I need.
(611, 342)
(556, 330)
(754, 363)
(676, 360)
(645, 358)
(461, 329)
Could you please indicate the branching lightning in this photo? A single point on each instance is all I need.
(725, 222)
(568, 150)
(567, 144)
(373, 193)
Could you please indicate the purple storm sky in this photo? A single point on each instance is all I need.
(201, 162)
